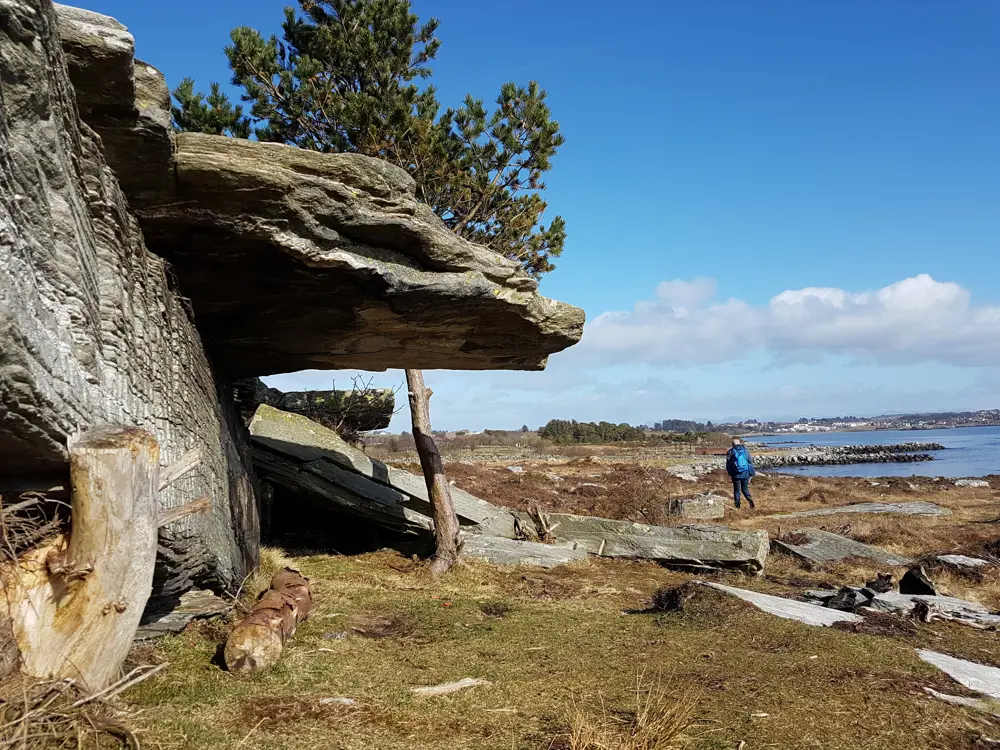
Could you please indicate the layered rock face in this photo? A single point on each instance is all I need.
(296, 260)
(328, 261)
(276, 260)
(92, 326)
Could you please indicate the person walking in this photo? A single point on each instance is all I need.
(739, 466)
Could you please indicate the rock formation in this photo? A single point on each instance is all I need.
(92, 326)
(357, 410)
(261, 259)
(317, 260)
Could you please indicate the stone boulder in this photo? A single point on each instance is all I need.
(93, 328)
(703, 507)
(300, 456)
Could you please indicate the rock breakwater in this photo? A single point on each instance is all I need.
(848, 454)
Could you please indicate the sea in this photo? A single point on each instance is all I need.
(969, 452)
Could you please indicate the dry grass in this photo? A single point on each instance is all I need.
(656, 721)
(562, 634)
(545, 639)
(57, 715)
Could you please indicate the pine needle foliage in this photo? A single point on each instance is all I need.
(353, 76)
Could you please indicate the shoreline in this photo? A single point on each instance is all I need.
(844, 430)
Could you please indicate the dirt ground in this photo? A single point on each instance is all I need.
(570, 645)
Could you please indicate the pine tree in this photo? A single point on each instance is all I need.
(213, 114)
(344, 78)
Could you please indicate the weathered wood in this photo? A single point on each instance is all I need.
(198, 505)
(75, 603)
(259, 638)
(188, 462)
(446, 540)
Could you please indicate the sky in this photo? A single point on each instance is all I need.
(775, 209)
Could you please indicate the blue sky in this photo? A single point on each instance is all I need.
(774, 208)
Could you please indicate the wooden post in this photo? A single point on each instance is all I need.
(446, 540)
(258, 639)
(75, 603)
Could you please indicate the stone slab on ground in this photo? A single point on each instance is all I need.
(963, 562)
(917, 508)
(821, 547)
(810, 614)
(500, 551)
(696, 546)
(971, 483)
(978, 677)
(897, 603)
(309, 480)
(163, 619)
(300, 439)
(704, 507)
(976, 704)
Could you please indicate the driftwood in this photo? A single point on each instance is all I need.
(75, 603)
(258, 639)
(188, 462)
(198, 505)
(446, 540)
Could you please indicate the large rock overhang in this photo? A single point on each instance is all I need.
(297, 260)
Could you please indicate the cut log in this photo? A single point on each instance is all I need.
(446, 540)
(75, 604)
(259, 638)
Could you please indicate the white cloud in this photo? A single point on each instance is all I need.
(914, 320)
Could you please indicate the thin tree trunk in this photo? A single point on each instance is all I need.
(446, 541)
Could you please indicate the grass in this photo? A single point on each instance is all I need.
(561, 642)
(563, 658)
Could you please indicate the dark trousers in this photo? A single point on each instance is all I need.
(741, 485)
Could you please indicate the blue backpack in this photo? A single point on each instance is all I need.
(741, 460)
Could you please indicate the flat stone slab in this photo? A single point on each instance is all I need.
(963, 562)
(976, 704)
(978, 677)
(500, 551)
(821, 547)
(917, 508)
(971, 483)
(803, 612)
(160, 621)
(696, 546)
(897, 603)
(324, 453)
